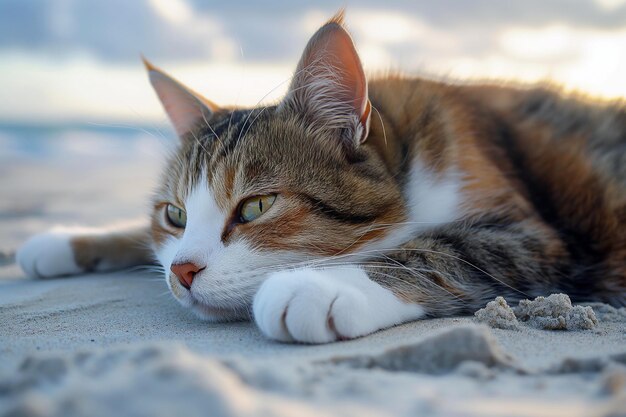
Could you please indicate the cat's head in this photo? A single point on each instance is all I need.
(251, 191)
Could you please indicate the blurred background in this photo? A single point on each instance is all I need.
(82, 134)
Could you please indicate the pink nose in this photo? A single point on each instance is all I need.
(185, 273)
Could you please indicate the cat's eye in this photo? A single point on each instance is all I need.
(176, 216)
(254, 207)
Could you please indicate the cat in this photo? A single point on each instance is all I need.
(352, 205)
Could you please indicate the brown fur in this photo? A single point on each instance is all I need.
(119, 250)
(534, 191)
(562, 183)
(543, 174)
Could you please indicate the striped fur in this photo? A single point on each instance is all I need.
(544, 201)
(445, 195)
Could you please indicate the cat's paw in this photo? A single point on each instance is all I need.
(321, 306)
(48, 255)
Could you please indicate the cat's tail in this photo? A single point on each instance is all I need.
(77, 250)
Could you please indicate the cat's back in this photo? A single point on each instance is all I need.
(568, 143)
(546, 118)
(564, 155)
(570, 152)
(541, 113)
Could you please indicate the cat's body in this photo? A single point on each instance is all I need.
(430, 202)
(543, 184)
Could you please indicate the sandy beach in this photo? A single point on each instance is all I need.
(119, 344)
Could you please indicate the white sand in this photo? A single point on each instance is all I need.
(118, 344)
(554, 312)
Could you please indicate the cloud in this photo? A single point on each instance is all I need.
(78, 59)
(118, 30)
(113, 30)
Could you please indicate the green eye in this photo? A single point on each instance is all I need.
(176, 216)
(254, 207)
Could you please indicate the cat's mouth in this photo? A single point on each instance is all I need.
(207, 310)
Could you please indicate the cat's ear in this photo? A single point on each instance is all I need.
(185, 108)
(329, 87)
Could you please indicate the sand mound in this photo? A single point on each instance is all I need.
(549, 313)
(439, 354)
(555, 313)
(497, 314)
(158, 380)
(605, 312)
(589, 365)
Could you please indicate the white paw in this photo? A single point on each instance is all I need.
(48, 255)
(321, 306)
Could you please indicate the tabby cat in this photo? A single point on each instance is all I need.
(353, 205)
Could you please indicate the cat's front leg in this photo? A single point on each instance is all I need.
(325, 305)
(77, 250)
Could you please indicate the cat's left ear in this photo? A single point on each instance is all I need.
(185, 108)
(329, 87)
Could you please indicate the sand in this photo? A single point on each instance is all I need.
(554, 312)
(497, 314)
(168, 379)
(119, 345)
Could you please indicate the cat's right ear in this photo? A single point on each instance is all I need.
(185, 108)
(329, 88)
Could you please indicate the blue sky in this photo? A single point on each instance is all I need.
(78, 60)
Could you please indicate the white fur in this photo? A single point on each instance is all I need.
(300, 305)
(224, 290)
(49, 254)
(205, 222)
(357, 305)
(432, 200)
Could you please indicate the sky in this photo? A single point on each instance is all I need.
(79, 60)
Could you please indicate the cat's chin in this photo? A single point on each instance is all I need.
(217, 314)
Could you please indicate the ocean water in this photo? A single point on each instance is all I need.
(75, 175)
(47, 142)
